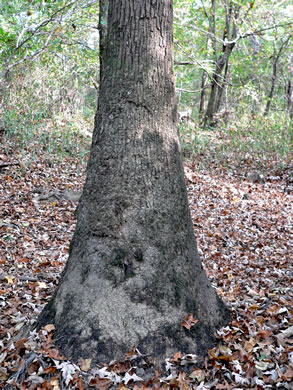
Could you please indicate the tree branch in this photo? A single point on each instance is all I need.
(190, 91)
(38, 29)
(249, 33)
(240, 36)
(41, 25)
(33, 55)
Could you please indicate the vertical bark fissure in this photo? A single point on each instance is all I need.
(102, 27)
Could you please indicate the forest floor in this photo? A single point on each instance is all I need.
(243, 225)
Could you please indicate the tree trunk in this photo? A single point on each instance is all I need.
(103, 16)
(218, 82)
(220, 89)
(289, 93)
(289, 89)
(255, 80)
(203, 93)
(133, 271)
(272, 89)
(276, 57)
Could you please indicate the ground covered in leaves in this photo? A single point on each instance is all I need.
(243, 225)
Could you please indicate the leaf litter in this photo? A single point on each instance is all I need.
(245, 240)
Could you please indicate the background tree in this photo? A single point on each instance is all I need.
(218, 39)
(48, 66)
(276, 56)
(289, 87)
(218, 82)
(103, 16)
(134, 273)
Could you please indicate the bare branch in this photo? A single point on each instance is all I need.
(184, 63)
(249, 33)
(190, 91)
(240, 36)
(42, 24)
(32, 55)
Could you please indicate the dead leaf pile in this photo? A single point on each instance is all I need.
(244, 235)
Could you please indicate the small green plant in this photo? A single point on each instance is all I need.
(255, 140)
(192, 141)
(46, 136)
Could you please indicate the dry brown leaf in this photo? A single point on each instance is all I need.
(100, 383)
(85, 364)
(249, 345)
(49, 328)
(188, 322)
(176, 357)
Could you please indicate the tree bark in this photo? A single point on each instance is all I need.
(276, 58)
(289, 88)
(221, 88)
(133, 271)
(272, 89)
(102, 27)
(218, 82)
(217, 85)
(289, 93)
(202, 93)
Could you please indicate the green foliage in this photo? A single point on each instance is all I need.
(251, 60)
(193, 140)
(48, 56)
(49, 68)
(30, 28)
(39, 135)
(251, 139)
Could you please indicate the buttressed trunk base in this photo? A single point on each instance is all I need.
(133, 272)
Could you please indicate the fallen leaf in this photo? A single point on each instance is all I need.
(188, 322)
(85, 364)
(133, 377)
(55, 383)
(249, 345)
(100, 384)
(9, 279)
(42, 285)
(130, 353)
(176, 357)
(49, 328)
(198, 374)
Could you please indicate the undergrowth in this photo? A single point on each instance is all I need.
(59, 137)
(259, 142)
(42, 115)
(46, 114)
(262, 143)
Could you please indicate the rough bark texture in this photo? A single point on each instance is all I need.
(103, 17)
(133, 272)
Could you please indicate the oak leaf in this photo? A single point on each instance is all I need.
(188, 322)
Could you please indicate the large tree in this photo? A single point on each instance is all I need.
(133, 272)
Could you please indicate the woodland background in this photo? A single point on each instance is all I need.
(49, 74)
(234, 77)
